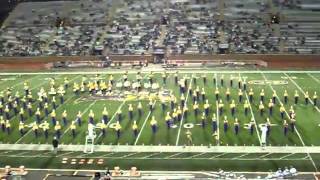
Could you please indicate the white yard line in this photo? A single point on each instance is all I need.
(85, 111)
(301, 90)
(114, 115)
(153, 154)
(30, 130)
(196, 155)
(156, 71)
(144, 124)
(252, 114)
(213, 157)
(131, 154)
(63, 154)
(296, 130)
(238, 157)
(314, 78)
(265, 155)
(182, 117)
(283, 157)
(173, 155)
(218, 116)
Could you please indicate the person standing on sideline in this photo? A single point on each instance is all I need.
(55, 144)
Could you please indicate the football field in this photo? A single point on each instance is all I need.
(188, 142)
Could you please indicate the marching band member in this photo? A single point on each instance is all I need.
(173, 102)
(292, 124)
(244, 85)
(206, 107)
(15, 108)
(203, 94)
(1, 108)
(135, 128)
(306, 98)
(239, 82)
(204, 78)
(164, 77)
(198, 93)
(225, 124)
(274, 96)
(285, 127)
(66, 83)
(251, 93)
(217, 93)
(214, 123)
(105, 115)
(91, 117)
(182, 100)
(176, 77)
(246, 107)
(3, 124)
(231, 80)
(233, 108)
(236, 126)
(53, 117)
(195, 108)
(57, 129)
(270, 105)
(315, 97)
(151, 105)
(118, 129)
(251, 126)
(140, 109)
(45, 128)
(221, 80)
(214, 79)
(26, 87)
(185, 111)
(261, 108)
(73, 129)
(53, 101)
(285, 95)
(38, 115)
(21, 128)
(35, 128)
(61, 93)
(262, 95)
(189, 137)
(179, 113)
(268, 124)
(220, 106)
(296, 97)
(203, 120)
(79, 116)
(153, 124)
(168, 120)
(103, 128)
(8, 126)
(6, 112)
(228, 94)
(46, 109)
(282, 111)
(174, 115)
(64, 118)
(130, 109)
(76, 88)
(240, 94)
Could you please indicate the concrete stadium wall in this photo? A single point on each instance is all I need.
(273, 61)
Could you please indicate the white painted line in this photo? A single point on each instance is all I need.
(283, 157)
(314, 78)
(17, 142)
(144, 124)
(182, 117)
(238, 157)
(265, 155)
(252, 114)
(130, 154)
(296, 130)
(63, 154)
(213, 157)
(171, 156)
(153, 154)
(85, 111)
(301, 90)
(196, 155)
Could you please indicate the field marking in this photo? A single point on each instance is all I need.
(157, 71)
(182, 117)
(173, 155)
(283, 157)
(265, 155)
(301, 90)
(46, 118)
(213, 157)
(85, 111)
(197, 155)
(218, 115)
(63, 154)
(238, 157)
(129, 154)
(295, 128)
(28, 79)
(252, 114)
(144, 124)
(314, 78)
(153, 154)
(113, 116)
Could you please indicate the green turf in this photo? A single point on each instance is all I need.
(307, 117)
